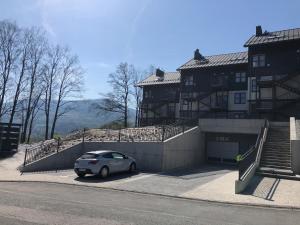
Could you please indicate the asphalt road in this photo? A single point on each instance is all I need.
(42, 203)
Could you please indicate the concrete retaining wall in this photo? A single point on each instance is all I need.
(240, 126)
(148, 155)
(61, 160)
(184, 150)
(295, 145)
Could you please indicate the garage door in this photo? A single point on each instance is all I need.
(222, 151)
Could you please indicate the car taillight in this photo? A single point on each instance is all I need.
(93, 162)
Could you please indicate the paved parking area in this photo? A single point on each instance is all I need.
(208, 182)
(173, 183)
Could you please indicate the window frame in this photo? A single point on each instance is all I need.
(240, 98)
(253, 85)
(258, 60)
(189, 80)
(240, 77)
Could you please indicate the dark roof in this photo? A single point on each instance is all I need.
(276, 36)
(217, 60)
(168, 78)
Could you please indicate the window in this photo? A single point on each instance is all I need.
(240, 77)
(253, 85)
(189, 81)
(107, 156)
(89, 156)
(258, 61)
(147, 94)
(117, 156)
(221, 99)
(240, 98)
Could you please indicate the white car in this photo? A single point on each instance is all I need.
(103, 163)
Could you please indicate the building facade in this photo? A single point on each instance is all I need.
(263, 82)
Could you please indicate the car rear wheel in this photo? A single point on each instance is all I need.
(80, 175)
(104, 172)
(132, 167)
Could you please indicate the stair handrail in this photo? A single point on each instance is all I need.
(250, 159)
(264, 132)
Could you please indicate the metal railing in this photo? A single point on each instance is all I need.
(44, 149)
(250, 159)
(178, 127)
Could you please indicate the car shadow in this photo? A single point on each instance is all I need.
(112, 177)
(262, 187)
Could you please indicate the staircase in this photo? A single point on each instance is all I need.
(276, 153)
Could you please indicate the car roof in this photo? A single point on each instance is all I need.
(100, 152)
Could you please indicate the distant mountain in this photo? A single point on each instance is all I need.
(82, 115)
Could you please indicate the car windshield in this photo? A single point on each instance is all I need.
(89, 156)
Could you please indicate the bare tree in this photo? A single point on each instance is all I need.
(37, 49)
(9, 37)
(50, 74)
(118, 99)
(21, 68)
(69, 82)
(137, 93)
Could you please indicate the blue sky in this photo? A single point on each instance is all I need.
(163, 33)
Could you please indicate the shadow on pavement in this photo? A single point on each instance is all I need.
(7, 154)
(262, 187)
(112, 177)
(202, 171)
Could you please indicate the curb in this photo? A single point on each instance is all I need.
(164, 195)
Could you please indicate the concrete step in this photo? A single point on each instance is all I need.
(275, 144)
(276, 155)
(273, 170)
(277, 139)
(274, 160)
(279, 150)
(278, 166)
(273, 150)
(280, 176)
(275, 167)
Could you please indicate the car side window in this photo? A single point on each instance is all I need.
(117, 156)
(107, 156)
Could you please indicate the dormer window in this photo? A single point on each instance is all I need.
(259, 60)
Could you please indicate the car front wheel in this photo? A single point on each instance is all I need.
(132, 167)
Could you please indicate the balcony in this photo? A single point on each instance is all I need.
(267, 81)
(220, 107)
(219, 83)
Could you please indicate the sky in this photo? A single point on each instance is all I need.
(163, 33)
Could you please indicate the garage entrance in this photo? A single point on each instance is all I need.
(224, 147)
(224, 152)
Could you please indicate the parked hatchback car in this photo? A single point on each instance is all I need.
(103, 163)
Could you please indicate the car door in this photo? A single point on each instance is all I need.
(120, 162)
(109, 160)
